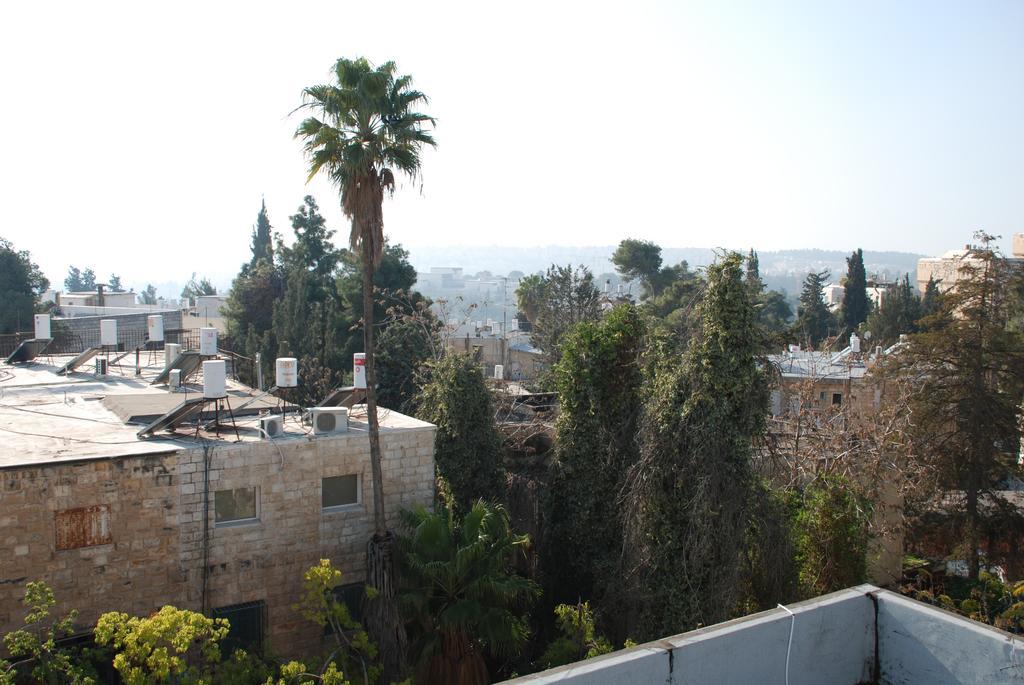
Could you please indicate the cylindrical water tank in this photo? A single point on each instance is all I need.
(854, 343)
(214, 379)
(287, 372)
(359, 369)
(208, 341)
(499, 372)
(42, 325)
(155, 327)
(171, 352)
(108, 332)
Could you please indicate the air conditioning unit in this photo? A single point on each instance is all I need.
(272, 426)
(327, 420)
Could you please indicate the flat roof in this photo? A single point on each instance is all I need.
(46, 418)
(821, 365)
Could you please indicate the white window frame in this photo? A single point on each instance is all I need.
(354, 506)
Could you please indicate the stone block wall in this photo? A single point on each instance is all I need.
(142, 519)
(136, 571)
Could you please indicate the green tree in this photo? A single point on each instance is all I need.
(774, 312)
(21, 283)
(114, 284)
(639, 260)
(460, 595)
(148, 295)
(37, 646)
(262, 238)
(362, 129)
(404, 349)
(171, 646)
(930, 298)
(197, 288)
(319, 604)
(753, 277)
(467, 445)
(600, 388)
(970, 368)
(308, 315)
(898, 314)
(394, 297)
(813, 319)
(529, 295)
(73, 281)
(688, 496)
(570, 297)
(832, 533)
(88, 279)
(856, 305)
(578, 638)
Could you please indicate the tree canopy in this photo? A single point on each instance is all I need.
(22, 283)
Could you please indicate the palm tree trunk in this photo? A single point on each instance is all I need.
(383, 622)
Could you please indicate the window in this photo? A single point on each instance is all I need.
(246, 631)
(837, 399)
(341, 491)
(236, 505)
(351, 596)
(84, 527)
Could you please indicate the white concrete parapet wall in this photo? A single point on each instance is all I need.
(834, 643)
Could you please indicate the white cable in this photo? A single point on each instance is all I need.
(789, 647)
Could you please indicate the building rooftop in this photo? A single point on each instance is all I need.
(47, 418)
(853, 637)
(822, 365)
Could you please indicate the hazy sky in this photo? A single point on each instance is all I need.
(140, 137)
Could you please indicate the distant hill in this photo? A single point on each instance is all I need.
(781, 270)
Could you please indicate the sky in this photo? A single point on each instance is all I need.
(140, 138)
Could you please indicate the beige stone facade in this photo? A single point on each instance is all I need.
(133, 532)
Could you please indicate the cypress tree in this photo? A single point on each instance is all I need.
(599, 381)
(262, 247)
(467, 445)
(689, 494)
(855, 292)
(813, 319)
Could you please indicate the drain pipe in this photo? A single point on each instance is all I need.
(207, 454)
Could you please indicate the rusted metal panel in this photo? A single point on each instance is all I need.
(83, 527)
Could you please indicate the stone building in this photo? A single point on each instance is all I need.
(203, 520)
(946, 269)
(826, 414)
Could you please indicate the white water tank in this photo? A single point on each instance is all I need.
(287, 372)
(214, 379)
(359, 369)
(42, 322)
(499, 372)
(155, 327)
(208, 342)
(108, 332)
(854, 343)
(171, 352)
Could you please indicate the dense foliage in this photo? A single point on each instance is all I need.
(855, 306)
(600, 386)
(689, 494)
(22, 283)
(814, 321)
(459, 593)
(467, 445)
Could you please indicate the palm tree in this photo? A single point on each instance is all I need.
(529, 294)
(460, 594)
(362, 130)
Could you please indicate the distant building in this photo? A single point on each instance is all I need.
(829, 397)
(196, 518)
(946, 269)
